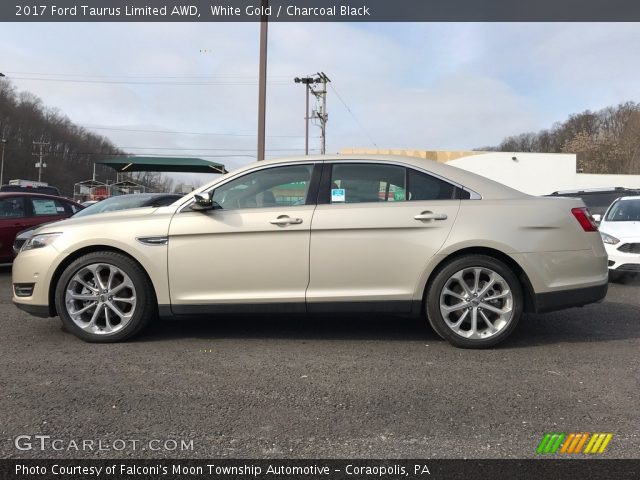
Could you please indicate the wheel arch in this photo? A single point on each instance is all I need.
(79, 253)
(525, 283)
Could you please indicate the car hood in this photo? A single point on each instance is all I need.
(621, 230)
(106, 218)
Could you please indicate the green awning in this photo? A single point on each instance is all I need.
(162, 164)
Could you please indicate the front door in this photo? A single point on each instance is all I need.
(251, 253)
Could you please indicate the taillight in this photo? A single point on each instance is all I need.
(587, 222)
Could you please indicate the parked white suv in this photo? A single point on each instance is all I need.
(322, 235)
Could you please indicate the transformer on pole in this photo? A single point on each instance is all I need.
(320, 113)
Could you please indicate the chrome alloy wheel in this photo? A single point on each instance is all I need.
(476, 303)
(100, 298)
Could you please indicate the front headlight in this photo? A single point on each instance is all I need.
(39, 241)
(611, 240)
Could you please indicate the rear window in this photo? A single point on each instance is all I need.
(600, 200)
(363, 183)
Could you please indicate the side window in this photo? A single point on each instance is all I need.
(271, 187)
(43, 207)
(12, 208)
(425, 187)
(367, 182)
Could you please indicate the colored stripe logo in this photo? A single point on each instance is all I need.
(573, 443)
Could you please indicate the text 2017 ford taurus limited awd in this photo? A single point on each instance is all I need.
(321, 235)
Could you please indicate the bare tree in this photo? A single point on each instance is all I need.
(607, 141)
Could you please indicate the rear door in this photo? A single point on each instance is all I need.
(376, 227)
(45, 210)
(13, 219)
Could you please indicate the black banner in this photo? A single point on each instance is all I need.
(320, 11)
(318, 469)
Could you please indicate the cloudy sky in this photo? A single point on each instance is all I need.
(191, 89)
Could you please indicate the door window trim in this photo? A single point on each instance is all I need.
(324, 191)
(312, 193)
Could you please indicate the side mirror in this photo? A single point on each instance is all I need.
(203, 202)
(597, 218)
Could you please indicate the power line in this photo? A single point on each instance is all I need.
(55, 153)
(353, 115)
(97, 127)
(146, 75)
(128, 82)
(214, 149)
(234, 155)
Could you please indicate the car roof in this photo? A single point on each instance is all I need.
(33, 194)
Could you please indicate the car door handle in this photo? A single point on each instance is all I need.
(429, 216)
(286, 220)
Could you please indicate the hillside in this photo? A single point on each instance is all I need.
(606, 141)
(71, 149)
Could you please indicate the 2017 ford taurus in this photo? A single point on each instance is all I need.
(322, 235)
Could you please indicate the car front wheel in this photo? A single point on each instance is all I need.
(474, 301)
(104, 297)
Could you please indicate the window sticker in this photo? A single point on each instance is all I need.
(44, 207)
(338, 195)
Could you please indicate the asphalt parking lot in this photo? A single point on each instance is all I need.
(367, 387)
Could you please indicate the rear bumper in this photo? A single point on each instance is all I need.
(559, 300)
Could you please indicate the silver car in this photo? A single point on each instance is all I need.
(322, 235)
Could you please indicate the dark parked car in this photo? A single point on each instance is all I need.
(120, 202)
(598, 199)
(20, 210)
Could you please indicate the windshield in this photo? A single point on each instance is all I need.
(121, 202)
(624, 211)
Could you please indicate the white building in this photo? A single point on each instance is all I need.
(532, 173)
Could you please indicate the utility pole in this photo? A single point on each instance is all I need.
(262, 82)
(40, 165)
(4, 143)
(306, 81)
(320, 114)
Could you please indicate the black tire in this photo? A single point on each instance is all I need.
(141, 313)
(444, 275)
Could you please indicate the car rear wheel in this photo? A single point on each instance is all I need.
(474, 301)
(104, 297)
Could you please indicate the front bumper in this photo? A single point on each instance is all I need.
(621, 261)
(578, 297)
(34, 268)
(41, 311)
